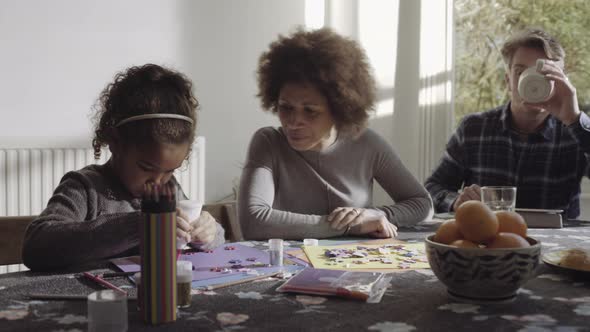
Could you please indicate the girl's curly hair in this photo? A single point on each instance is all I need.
(334, 64)
(146, 89)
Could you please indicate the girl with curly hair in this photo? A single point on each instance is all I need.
(147, 118)
(313, 176)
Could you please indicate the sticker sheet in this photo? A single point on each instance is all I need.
(226, 259)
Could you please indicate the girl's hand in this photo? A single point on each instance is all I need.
(379, 228)
(344, 217)
(183, 226)
(204, 229)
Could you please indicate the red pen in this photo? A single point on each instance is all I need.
(103, 282)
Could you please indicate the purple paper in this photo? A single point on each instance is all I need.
(219, 257)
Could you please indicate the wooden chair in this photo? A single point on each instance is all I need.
(12, 233)
(225, 214)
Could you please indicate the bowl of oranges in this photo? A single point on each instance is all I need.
(481, 255)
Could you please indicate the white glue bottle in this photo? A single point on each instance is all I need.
(192, 209)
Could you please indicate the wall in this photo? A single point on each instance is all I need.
(57, 56)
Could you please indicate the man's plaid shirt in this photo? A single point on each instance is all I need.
(547, 168)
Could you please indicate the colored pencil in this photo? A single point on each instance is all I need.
(241, 281)
(117, 274)
(62, 297)
(231, 267)
(103, 282)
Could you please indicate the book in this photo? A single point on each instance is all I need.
(357, 285)
(540, 218)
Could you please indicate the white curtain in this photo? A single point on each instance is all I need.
(410, 46)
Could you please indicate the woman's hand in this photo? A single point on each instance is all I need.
(345, 217)
(361, 221)
(379, 228)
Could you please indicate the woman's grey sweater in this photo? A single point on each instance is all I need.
(288, 194)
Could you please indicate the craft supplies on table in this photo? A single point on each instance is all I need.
(116, 274)
(275, 249)
(226, 263)
(157, 247)
(97, 279)
(107, 311)
(358, 285)
(242, 277)
(184, 278)
(311, 242)
(398, 256)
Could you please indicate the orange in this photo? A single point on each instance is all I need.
(464, 244)
(476, 221)
(447, 232)
(511, 222)
(508, 240)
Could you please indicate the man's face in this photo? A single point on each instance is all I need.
(523, 58)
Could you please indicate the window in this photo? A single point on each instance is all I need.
(481, 26)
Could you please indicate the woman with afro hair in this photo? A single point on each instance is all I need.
(313, 176)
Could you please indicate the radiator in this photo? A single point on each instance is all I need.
(29, 176)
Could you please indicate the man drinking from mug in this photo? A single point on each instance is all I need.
(541, 147)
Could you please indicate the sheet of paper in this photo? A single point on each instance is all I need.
(203, 262)
(398, 256)
(239, 276)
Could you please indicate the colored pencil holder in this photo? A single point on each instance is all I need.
(158, 262)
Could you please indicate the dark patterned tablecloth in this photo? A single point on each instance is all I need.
(556, 300)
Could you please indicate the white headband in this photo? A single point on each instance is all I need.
(155, 116)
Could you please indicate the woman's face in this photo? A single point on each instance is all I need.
(136, 166)
(305, 117)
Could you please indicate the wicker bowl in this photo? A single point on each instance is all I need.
(481, 275)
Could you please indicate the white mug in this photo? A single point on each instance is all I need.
(533, 87)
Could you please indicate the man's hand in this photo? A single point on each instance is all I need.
(471, 193)
(564, 103)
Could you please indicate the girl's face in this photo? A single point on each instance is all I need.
(136, 166)
(305, 117)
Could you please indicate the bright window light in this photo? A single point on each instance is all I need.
(314, 13)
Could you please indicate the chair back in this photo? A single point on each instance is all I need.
(12, 230)
(225, 214)
(12, 234)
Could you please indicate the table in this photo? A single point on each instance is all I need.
(416, 301)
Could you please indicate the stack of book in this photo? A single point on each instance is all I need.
(540, 218)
